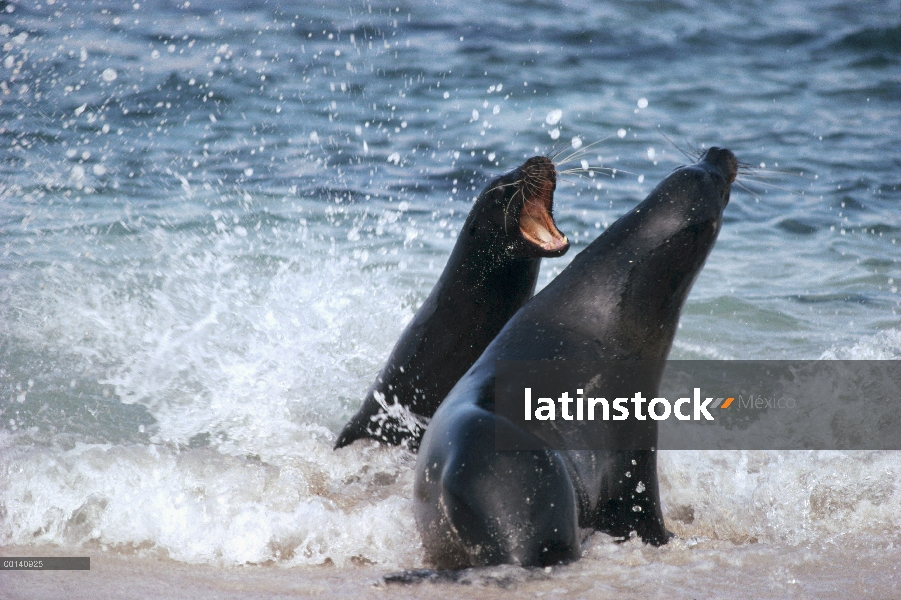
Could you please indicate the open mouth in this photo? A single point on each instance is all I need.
(535, 221)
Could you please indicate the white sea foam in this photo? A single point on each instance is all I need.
(247, 379)
(791, 497)
(205, 506)
(885, 345)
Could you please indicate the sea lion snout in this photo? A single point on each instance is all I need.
(724, 160)
(539, 169)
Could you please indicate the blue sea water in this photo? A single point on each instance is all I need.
(217, 217)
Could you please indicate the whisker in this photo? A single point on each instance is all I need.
(568, 180)
(552, 156)
(589, 169)
(531, 200)
(772, 185)
(750, 170)
(507, 208)
(746, 188)
(498, 187)
(580, 173)
(677, 147)
(583, 150)
(698, 152)
(613, 171)
(574, 156)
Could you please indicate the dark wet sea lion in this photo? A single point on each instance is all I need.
(619, 299)
(490, 274)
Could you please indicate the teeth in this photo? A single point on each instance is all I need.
(544, 235)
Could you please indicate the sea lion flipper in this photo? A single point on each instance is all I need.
(635, 507)
(351, 432)
(383, 421)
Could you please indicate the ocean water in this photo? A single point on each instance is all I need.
(217, 217)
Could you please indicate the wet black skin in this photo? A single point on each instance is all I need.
(491, 273)
(620, 298)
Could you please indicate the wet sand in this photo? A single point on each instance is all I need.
(683, 569)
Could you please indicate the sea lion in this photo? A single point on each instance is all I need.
(491, 273)
(619, 299)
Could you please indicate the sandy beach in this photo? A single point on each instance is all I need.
(702, 569)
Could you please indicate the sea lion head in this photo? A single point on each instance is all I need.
(722, 166)
(627, 288)
(656, 251)
(518, 207)
(697, 194)
(685, 209)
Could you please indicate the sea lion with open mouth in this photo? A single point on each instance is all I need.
(491, 273)
(619, 300)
